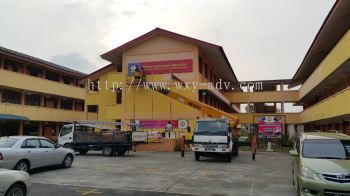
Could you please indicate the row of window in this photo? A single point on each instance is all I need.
(34, 99)
(19, 67)
(206, 71)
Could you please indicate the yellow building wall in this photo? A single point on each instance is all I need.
(339, 54)
(335, 105)
(265, 96)
(45, 114)
(35, 84)
(146, 104)
(105, 98)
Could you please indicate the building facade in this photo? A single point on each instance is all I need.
(36, 96)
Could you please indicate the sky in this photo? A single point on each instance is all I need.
(263, 39)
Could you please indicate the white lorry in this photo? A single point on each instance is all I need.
(213, 137)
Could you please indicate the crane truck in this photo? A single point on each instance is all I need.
(216, 136)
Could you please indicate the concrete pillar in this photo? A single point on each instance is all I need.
(25, 69)
(57, 128)
(73, 105)
(41, 128)
(23, 97)
(59, 102)
(42, 100)
(20, 128)
(341, 126)
(282, 107)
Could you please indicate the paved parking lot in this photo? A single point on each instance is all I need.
(154, 173)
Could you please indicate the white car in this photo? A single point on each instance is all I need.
(29, 152)
(14, 183)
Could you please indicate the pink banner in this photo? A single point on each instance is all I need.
(164, 67)
(270, 124)
(148, 124)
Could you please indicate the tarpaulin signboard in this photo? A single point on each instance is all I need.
(270, 126)
(154, 137)
(157, 124)
(162, 67)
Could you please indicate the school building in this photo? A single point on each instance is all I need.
(316, 98)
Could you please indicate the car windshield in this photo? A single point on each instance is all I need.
(326, 149)
(6, 142)
(211, 128)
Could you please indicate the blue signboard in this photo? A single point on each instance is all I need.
(132, 67)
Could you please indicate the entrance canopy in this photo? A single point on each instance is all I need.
(12, 117)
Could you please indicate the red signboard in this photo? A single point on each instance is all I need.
(149, 124)
(163, 67)
(270, 126)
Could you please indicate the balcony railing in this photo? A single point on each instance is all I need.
(45, 114)
(35, 84)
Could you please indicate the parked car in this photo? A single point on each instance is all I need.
(14, 183)
(321, 164)
(29, 152)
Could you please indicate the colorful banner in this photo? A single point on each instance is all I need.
(270, 126)
(149, 124)
(162, 67)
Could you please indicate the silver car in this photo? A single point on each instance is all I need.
(14, 183)
(29, 152)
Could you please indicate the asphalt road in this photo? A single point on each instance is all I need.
(66, 190)
(143, 173)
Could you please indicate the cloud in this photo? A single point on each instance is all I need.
(129, 13)
(74, 60)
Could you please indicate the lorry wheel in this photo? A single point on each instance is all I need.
(121, 152)
(235, 153)
(197, 156)
(229, 158)
(107, 151)
(83, 152)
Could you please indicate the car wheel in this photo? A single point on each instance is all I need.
(67, 161)
(197, 156)
(107, 151)
(22, 166)
(121, 152)
(16, 190)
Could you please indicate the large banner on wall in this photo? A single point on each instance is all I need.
(162, 67)
(157, 124)
(270, 126)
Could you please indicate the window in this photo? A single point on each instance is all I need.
(326, 149)
(6, 142)
(12, 65)
(92, 108)
(119, 96)
(34, 71)
(32, 99)
(9, 96)
(67, 104)
(65, 130)
(31, 143)
(118, 127)
(52, 76)
(46, 144)
(94, 85)
(206, 71)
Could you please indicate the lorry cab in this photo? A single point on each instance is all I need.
(213, 137)
(66, 135)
